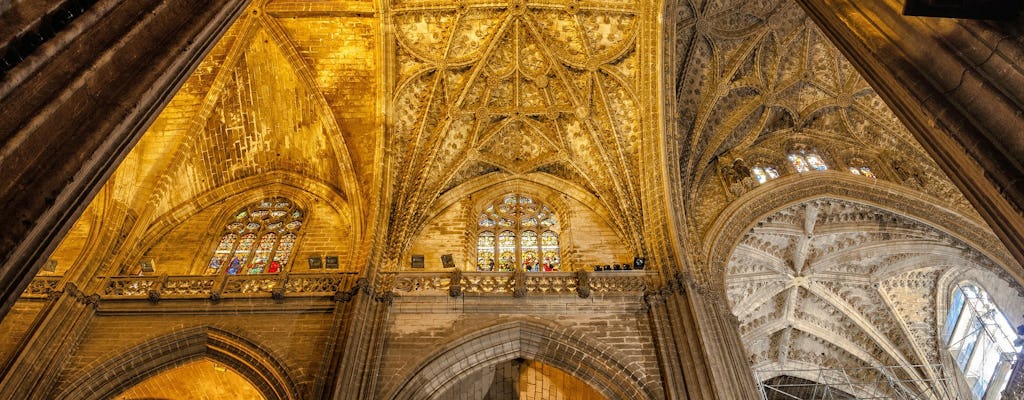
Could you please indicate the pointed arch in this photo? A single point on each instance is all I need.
(737, 219)
(599, 366)
(104, 380)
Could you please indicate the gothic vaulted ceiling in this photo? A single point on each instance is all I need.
(754, 80)
(393, 104)
(517, 87)
(844, 286)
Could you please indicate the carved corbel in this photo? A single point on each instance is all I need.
(455, 283)
(583, 284)
(519, 283)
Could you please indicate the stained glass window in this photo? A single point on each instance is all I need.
(981, 340)
(507, 251)
(865, 171)
(485, 250)
(804, 160)
(549, 246)
(764, 174)
(516, 231)
(528, 248)
(258, 239)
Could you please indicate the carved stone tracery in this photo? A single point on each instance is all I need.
(518, 87)
(841, 274)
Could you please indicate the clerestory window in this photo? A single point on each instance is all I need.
(517, 231)
(764, 174)
(258, 238)
(805, 160)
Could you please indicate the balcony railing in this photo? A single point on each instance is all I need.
(227, 286)
(519, 284)
(454, 283)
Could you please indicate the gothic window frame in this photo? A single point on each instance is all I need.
(978, 338)
(804, 158)
(858, 166)
(258, 238)
(763, 173)
(527, 226)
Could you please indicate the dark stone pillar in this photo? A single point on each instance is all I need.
(58, 329)
(699, 347)
(1015, 387)
(75, 108)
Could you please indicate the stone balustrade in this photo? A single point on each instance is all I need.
(455, 283)
(518, 284)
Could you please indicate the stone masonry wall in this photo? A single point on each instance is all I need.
(15, 326)
(296, 337)
(187, 249)
(420, 327)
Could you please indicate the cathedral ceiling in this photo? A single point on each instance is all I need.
(516, 88)
(290, 88)
(757, 79)
(393, 104)
(842, 285)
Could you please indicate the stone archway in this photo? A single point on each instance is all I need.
(599, 367)
(106, 379)
(742, 214)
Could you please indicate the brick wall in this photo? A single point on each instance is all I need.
(187, 249)
(585, 240)
(296, 338)
(599, 340)
(15, 326)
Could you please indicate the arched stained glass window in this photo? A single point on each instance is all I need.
(805, 160)
(517, 232)
(980, 340)
(764, 174)
(258, 239)
(865, 171)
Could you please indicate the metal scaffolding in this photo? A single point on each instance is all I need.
(887, 382)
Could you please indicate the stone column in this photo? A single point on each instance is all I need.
(699, 340)
(62, 322)
(356, 344)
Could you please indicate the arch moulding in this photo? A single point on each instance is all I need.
(737, 219)
(573, 353)
(257, 365)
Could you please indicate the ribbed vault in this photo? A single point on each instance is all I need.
(841, 285)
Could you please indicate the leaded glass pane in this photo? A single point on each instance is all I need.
(485, 252)
(816, 162)
(223, 252)
(283, 253)
(759, 174)
(799, 163)
(772, 172)
(507, 251)
(528, 245)
(241, 255)
(549, 248)
(866, 171)
(262, 254)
